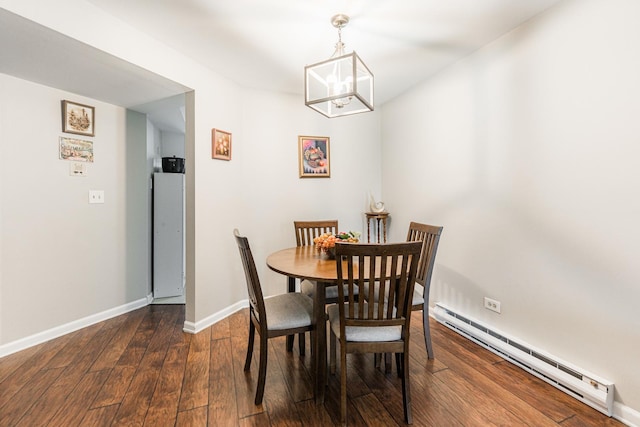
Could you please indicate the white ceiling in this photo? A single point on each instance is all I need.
(266, 44)
(261, 44)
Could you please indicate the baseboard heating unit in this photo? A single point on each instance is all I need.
(586, 387)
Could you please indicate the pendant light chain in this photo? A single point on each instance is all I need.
(339, 45)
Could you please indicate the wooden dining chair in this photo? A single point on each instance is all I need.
(364, 326)
(429, 235)
(275, 316)
(306, 231)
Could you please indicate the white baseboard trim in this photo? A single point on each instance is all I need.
(622, 413)
(40, 337)
(626, 415)
(194, 328)
(169, 300)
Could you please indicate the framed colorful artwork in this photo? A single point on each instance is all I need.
(78, 118)
(220, 144)
(313, 157)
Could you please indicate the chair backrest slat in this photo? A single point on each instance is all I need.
(306, 231)
(394, 265)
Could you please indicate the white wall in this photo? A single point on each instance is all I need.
(527, 153)
(172, 144)
(138, 207)
(154, 149)
(261, 194)
(64, 259)
(259, 191)
(154, 164)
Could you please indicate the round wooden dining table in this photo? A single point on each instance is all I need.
(305, 262)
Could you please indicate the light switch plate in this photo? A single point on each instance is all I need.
(96, 196)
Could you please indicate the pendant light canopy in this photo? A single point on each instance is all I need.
(341, 85)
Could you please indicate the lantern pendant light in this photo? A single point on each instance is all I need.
(341, 85)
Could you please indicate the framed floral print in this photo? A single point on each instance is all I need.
(220, 144)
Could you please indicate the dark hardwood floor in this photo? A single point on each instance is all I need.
(141, 369)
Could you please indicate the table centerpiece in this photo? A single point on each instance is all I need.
(326, 242)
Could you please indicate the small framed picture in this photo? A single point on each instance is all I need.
(78, 118)
(220, 144)
(313, 157)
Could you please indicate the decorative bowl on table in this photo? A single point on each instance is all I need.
(326, 243)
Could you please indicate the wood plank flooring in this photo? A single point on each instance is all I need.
(141, 369)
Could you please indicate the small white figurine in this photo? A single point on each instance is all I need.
(374, 206)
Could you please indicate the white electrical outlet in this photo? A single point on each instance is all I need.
(96, 196)
(491, 304)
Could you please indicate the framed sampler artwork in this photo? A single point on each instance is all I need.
(77, 150)
(78, 118)
(220, 144)
(313, 157)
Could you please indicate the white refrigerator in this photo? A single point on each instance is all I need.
(168, 235)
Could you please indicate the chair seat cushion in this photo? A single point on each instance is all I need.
(418, 291)
(308, 288)
(290, 310)
(362, 333)
(418, 294)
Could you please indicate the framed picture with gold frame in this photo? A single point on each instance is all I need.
(313, 157)
(220, 144)
(78, 118)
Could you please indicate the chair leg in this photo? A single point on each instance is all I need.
(343, 384)
(399, 365)
(406, 390)
(252, 333)
(291, 287)
(387, 363)
(332, 353)
(262, 371)
(427, 332)
(301, 343)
